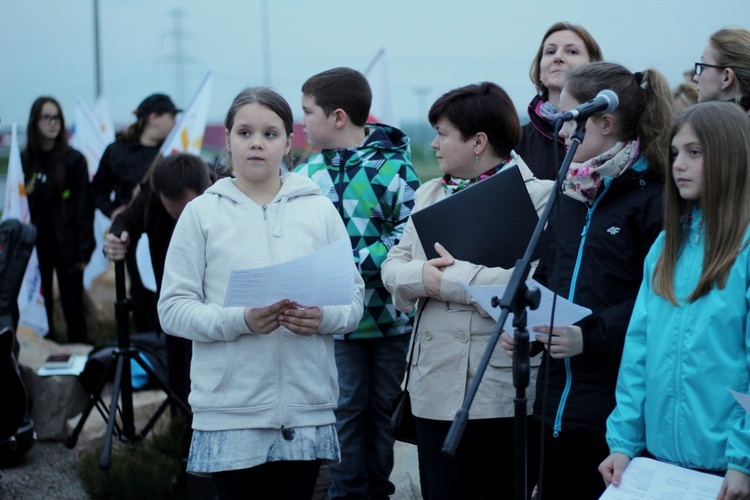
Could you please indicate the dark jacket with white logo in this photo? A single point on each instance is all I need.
(594, 257)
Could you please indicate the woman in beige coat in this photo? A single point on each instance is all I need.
(477, 127)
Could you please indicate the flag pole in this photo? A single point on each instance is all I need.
(375, 60)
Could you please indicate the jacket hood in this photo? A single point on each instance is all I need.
(386, 137)
(292, 186)
(382, 137)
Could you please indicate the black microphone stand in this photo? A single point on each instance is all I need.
(122, 389)
(516, 298)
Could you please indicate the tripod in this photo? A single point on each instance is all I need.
(122, 389)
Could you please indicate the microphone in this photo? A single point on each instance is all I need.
(605, 101)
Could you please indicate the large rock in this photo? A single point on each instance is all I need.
(53, 399)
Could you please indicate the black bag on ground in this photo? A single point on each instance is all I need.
(152, 346)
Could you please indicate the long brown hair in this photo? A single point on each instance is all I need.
(32, 153)
(723, 131)
(645, 111)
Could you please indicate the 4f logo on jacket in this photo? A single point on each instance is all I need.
(613, 230)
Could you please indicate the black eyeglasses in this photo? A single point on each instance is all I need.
(699, 67)
(50, 118)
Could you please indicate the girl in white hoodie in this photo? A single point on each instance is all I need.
(264, 383)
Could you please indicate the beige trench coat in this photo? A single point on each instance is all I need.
(452, 334)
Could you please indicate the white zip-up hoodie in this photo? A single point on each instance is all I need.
(240, 379)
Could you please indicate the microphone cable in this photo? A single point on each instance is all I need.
(552, 283)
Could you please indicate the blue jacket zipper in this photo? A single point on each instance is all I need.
(568, 372)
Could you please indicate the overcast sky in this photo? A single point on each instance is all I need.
(46, 46)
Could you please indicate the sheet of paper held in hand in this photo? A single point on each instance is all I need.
(648, 478)
(566, 312)
(743, 399)
(322, 278)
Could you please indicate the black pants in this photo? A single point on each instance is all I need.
(483, 466)
(571, 464)
(292, 480)
(70, 285)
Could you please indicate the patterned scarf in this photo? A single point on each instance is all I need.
(548, 111)
(583, 180)
(452, 185)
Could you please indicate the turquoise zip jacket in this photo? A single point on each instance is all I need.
(372, 186)
(678, 365)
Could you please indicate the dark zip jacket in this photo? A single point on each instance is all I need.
(64, 215)
(121, 169)
(597, 252)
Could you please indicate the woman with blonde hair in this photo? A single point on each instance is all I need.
(723, 74)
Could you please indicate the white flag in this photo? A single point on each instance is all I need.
(104, 119)
(30, 299)
(185, 137)
(91, 135)
(382, 109)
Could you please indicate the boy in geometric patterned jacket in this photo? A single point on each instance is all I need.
(366, 171)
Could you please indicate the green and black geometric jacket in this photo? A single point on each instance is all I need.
(372, 186)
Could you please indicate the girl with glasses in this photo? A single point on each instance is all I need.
(61, 207)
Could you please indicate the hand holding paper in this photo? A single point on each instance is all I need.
(264, 320)
(566, 312)
(565, 341)
(301, 320)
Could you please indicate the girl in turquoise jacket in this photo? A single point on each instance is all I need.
(688, 341)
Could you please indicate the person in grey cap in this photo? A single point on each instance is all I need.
(123, 165)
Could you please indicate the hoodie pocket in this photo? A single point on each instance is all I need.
(310, 375)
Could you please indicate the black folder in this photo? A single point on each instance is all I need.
(489, 223)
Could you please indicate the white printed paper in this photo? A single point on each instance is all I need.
(566, 312)
(322, 278)
(648, 478)
(743, 399)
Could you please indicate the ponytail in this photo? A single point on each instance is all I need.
(645, 111)
(134, 131)
(655, 120)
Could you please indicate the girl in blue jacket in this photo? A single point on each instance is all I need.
(688, 341)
